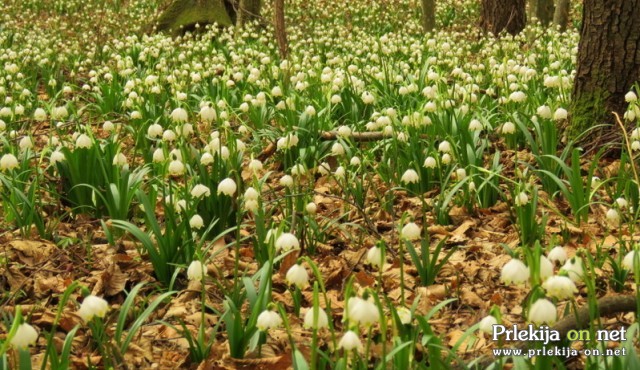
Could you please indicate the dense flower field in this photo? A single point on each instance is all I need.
(380, 199)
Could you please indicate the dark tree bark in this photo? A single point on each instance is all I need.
(561, 15)
(280, 30)
(248, 11)
(503, 15)
(608, 61)
(182, 15)
(428, 18)
(542, 10)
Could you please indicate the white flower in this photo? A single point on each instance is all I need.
(316, 321)
(410, 177)
(206, 159)
(487, 323)
(268, 320)
(120, 160)
(404, 314)
(200, 190)
(227, 187)
(475, 125)
(25, 143)
(197, 270)
(508, 128)
(135, 115)
(521, 199)
(297, 275)
(154, 131)
(355, 161)
(410, 231)
(461, 174)
(287, 241)
(310, 110)
(446, 158)
(311, 208)
(430, 162)
(92, 306)
(337, 149)
(56, 157)
(444, 147)
(208, 114)
(324, 168)
(546, 268)
(613, 217)
(560, 114)
(630, 97)
(543, 311)
(196, 222)
(276, 91)
(59, 113)
(286, 181)
(84, 141)
(544, 112)
(8, 162)
(557, 254)
(288, 141)
(350, 341)
(374, 257)
(560, 287)
(25, 336)
(629, 259)
(176, 168)
(255, 165)
(622, 203)
(514, 272)
(108, 126)
(518, 97)
(573, 268)
(251, 194)
(363, 311)
(158, 155)
(40, 115)
(179, 115)
(344, 131)
(368, 98)
(251, 205)
(168, 135)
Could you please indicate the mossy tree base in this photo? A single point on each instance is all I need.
(608, 66)
(183, 15)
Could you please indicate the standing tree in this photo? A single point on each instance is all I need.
(183, 15)
(428, 18)
(280, 30)
(561, 15)
(248, 11)
(541, 9)
(608, 61)
(499, 15)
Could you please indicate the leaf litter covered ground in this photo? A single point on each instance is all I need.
(35, 272)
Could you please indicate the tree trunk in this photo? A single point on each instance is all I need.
(281, 31)
(561, 15)
(182, 15)
(499, 15)
(608, 61)
(248, 11)
(428, 15)
(544, 11)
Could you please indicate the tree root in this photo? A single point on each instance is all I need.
(606, 306)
